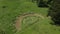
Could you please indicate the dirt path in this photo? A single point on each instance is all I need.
(18, 21)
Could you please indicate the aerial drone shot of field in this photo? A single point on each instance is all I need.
(29, 17)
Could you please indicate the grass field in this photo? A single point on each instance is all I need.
(11, 9)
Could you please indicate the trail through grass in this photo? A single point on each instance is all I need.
(14, 8)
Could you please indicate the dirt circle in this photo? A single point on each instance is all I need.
(20, 18)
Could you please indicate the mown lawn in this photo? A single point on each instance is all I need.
(10, 9)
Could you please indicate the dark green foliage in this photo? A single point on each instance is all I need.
(49, 1)
(42, 3)
(55, 12)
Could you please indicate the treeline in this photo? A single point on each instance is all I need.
(43, 3)
(54, 11)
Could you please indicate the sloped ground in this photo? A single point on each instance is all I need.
(19, 20)
(14, 8)
(42, 26)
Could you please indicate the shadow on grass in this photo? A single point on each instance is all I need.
(55, 23)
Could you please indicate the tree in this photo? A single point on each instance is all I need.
(42, 4)
(55, 12)
(49, 1)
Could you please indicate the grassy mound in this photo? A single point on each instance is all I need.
(10, 9)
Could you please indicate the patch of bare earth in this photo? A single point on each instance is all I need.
(20, 18)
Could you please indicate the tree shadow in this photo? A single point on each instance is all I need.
(55, 22)
(42, 5)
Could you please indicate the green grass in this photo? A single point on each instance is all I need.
(41, 27)
(16, 7)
